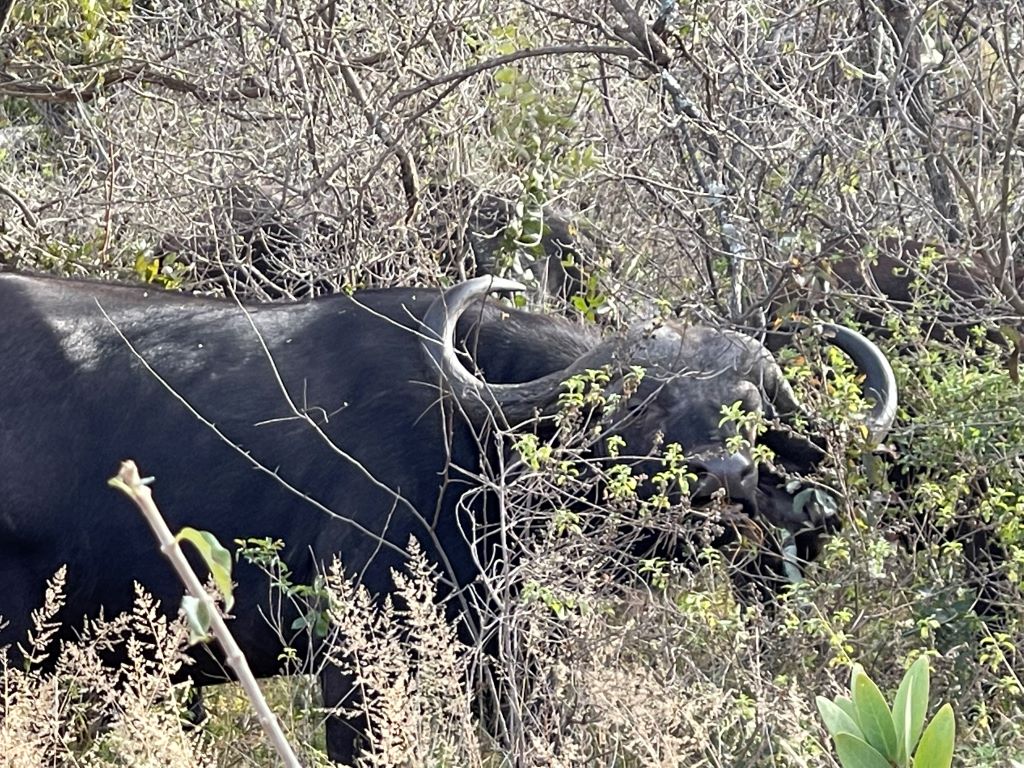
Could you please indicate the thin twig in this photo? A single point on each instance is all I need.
(129, 481)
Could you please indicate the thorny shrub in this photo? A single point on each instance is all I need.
(586, 651)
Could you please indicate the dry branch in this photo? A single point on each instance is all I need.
(129, 481)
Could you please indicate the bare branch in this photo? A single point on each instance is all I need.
(129, 481)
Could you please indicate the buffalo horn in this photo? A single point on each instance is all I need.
(879, 380)
(518, 402)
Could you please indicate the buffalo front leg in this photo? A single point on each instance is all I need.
(346, 717)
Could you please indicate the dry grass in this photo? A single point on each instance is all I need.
(623, 676)
(84, 710)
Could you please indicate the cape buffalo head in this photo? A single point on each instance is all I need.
(691, 374)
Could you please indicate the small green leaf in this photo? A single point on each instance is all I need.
(909, 707)
(506, 75)
(217, 559)
(316, 621)
(197, 615)
(322, 626)
(836, 719)
(936, 747)
(873, 714)
(856, 753)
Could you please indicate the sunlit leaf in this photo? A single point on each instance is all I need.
(873, 714)
(910, 705)
(845, 703)
(936, 747)
(216, 557)
(836, 720)
(856, 753)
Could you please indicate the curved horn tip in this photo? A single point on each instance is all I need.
(517, 401)
(445, 310)
(880, 380)
(504, 284)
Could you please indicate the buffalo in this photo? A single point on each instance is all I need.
(961, 293)
(957, 299)
(343, 425)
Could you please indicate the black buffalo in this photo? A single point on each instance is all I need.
(323, 424)
(955, 297)
(901, 276)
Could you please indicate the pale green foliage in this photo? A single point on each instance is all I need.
(868, 734)
(308, 599)
(70, 32)
(164, 272)
(974, 421)
(748, 426)
(534, 130)
(216, 558)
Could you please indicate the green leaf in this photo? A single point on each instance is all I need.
(909, 707)
(506, 75)
(936, 747)
(217, 559)
(856, 753)
(845, 703)
(873, 714)
(836, 719)
(197, 615)
(322, 626)
(316, 621)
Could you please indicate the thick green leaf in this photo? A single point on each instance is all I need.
(936, 747)
(217, 559)
(909, 707)
(836, 719)
(845, 703)
(857, 753)
(873, 714)
(197, 615)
